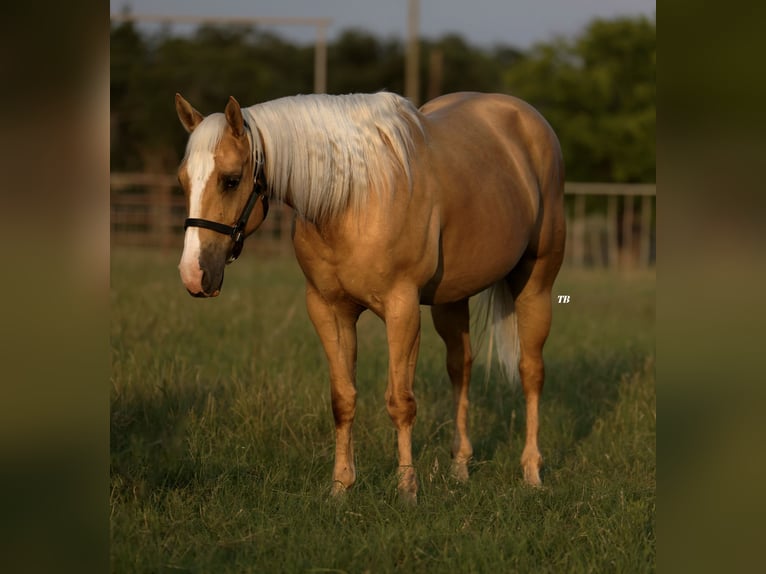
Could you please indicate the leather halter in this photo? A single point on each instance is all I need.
(237, 231)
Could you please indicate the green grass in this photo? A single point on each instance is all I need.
(222, 437)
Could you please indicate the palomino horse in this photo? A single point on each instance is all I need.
(395, 208)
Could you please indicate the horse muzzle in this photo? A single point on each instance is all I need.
(203, 275)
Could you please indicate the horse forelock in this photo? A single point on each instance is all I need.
(207, 135)
(329, 152)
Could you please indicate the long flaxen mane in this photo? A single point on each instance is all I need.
(330, 152)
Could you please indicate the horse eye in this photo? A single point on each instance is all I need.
(230, 183)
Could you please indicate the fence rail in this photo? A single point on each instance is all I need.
(611, 224)
(608, 224)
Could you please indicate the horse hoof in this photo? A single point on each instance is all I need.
(408, 497)
(408, 487)
(459, 471)
(532, 476)
(338, 490)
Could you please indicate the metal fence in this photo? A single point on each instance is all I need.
(608, 225)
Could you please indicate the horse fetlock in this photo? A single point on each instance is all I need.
(343, 477)
(462, 453)
(342, 480)
(408, 484)
(531, 463)
(461, 447)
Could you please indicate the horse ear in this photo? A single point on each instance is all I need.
(234, 117)
(190, 118)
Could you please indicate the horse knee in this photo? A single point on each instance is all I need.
(402, 408)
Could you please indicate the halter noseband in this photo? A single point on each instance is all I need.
(237, 231)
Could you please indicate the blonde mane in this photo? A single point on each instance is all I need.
(330, 152)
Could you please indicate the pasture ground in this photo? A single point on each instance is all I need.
(222, 436)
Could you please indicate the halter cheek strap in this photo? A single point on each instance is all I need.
(236, 231)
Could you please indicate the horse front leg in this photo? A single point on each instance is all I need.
(402, 317)
(336, 325)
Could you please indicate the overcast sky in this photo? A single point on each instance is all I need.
(482, 22)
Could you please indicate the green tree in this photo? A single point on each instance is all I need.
(598, 93)
(128, 56)
(207, 67)
(465, 67)
(358, 62)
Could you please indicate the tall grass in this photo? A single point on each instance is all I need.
(222, 437)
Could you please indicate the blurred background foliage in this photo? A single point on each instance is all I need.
(597, 89)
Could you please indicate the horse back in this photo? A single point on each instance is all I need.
(498, 128)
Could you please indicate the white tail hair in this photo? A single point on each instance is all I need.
(497, 317)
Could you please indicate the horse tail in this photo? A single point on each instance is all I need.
(497, 318)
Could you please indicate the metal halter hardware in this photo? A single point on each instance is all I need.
(236, 231)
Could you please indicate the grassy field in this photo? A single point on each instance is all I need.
(222, 437)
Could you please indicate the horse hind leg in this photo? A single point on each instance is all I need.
(531, 285)
(452, 324)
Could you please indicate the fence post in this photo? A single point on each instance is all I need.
(578, 233)
(646, 224)
(612, 249)
(628, 257)
(593, 233)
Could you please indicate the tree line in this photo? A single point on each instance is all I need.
(597, 89)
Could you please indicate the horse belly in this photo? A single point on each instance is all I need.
(476, 256)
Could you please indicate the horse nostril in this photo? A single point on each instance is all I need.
(209, 283)
(212, 278)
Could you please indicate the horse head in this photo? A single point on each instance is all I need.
(225, 200)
